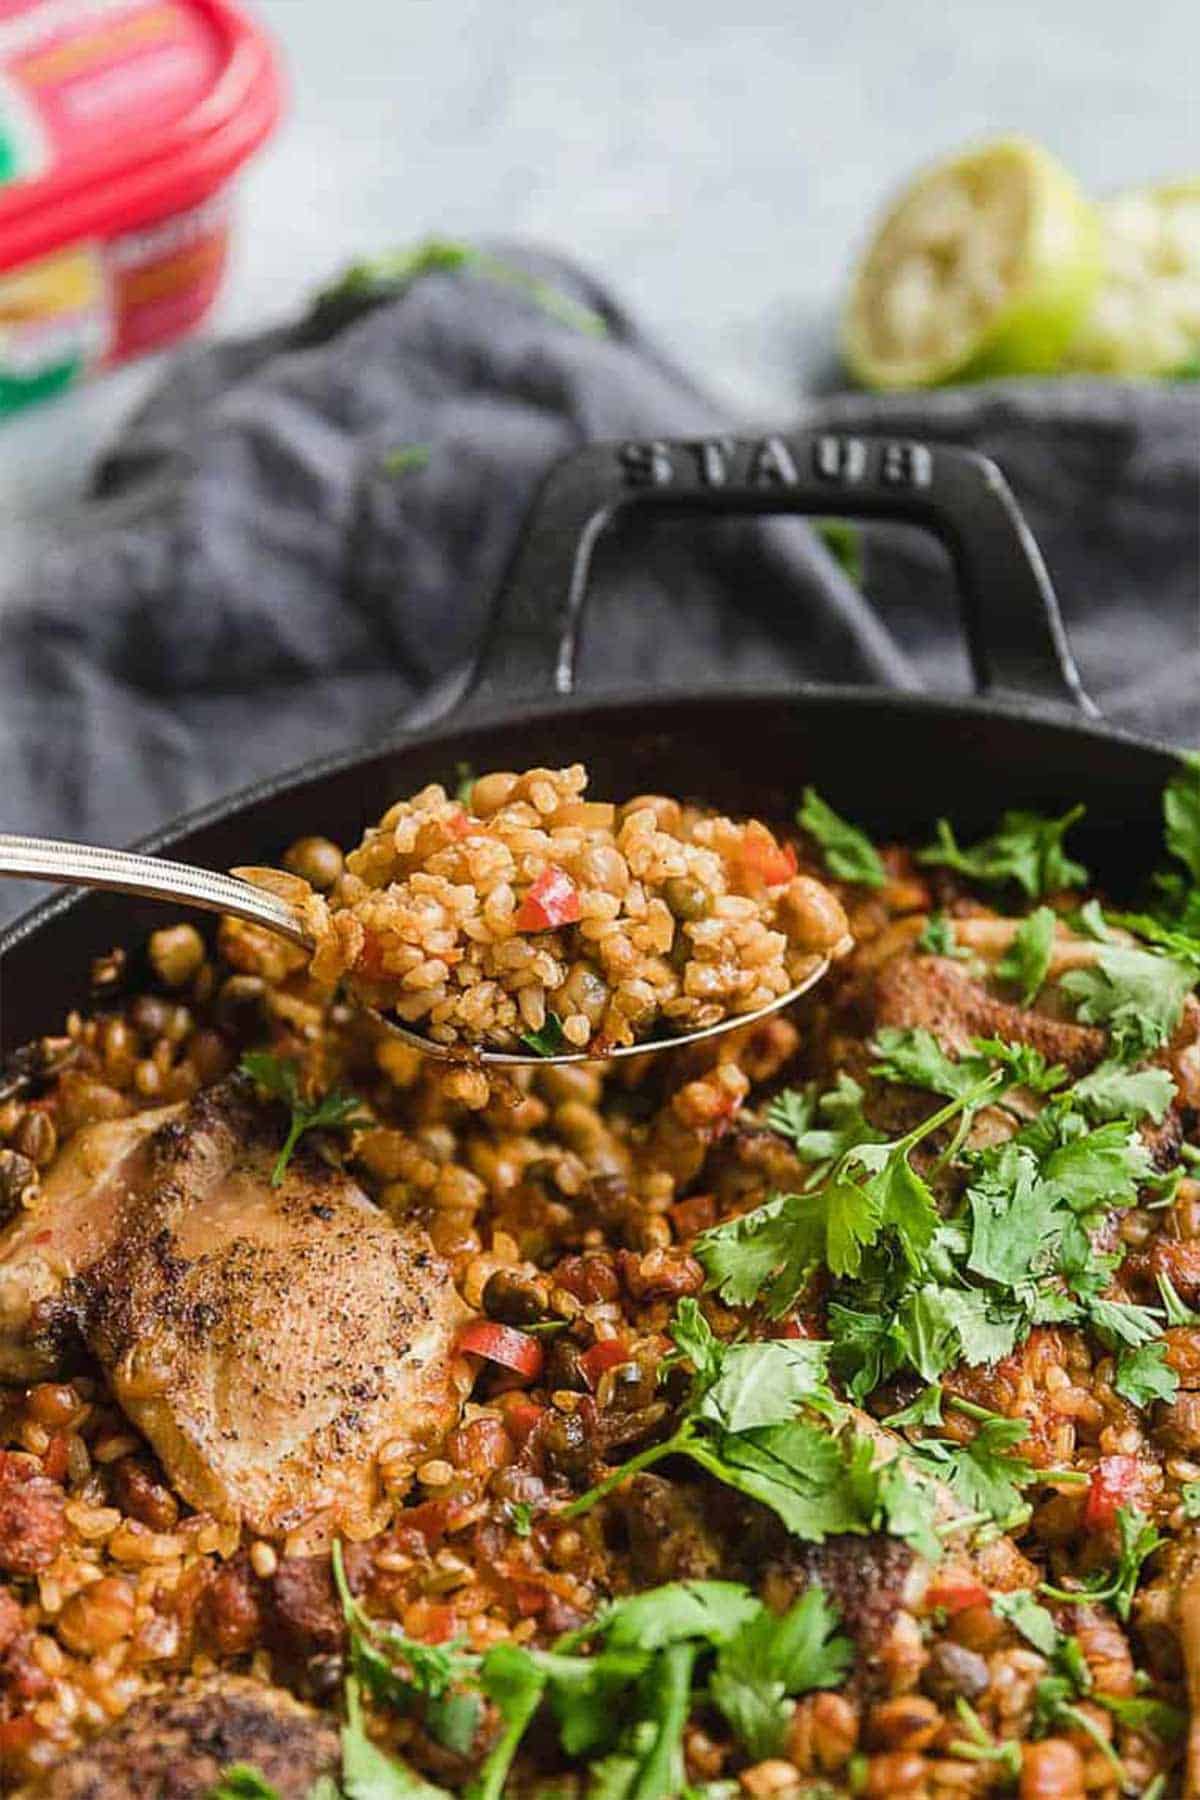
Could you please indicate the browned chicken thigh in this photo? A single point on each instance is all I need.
(269, 1341)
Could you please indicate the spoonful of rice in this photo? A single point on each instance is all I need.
(519, 922)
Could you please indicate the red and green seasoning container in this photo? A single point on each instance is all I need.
(123, 125)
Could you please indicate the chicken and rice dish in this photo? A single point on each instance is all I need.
(813, 1412)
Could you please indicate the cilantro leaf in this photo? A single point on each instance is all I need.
(790, 1113)
(1137, 1540)
(985, 1474)
(403, 459)
(549, 1041)
(1181, 813)
(1026, 962)
(280, 1077)
(1088, 920)
(1090, 1168)
(766, 1384)
(514, 1683)
(1026, 848)
(938, 939)
(926, 1409)
(1025, 1066)
(1144, 1375)
(773, 1657)
(837, 1123)
(849, 853)
(1137, 994)
(1120, 1322)
(1016, 1220)
(712, 1612)
(1113, 1092)
(241, 1782)
(1028, 1616)
(913, 1056)
(367, 1773)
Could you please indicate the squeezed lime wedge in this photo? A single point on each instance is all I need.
(986, 264)
(1144, 318)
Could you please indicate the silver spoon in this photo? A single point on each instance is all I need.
(156, 878)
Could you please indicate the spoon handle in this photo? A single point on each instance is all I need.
(152, 877)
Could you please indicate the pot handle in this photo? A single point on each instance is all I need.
(1010, 612)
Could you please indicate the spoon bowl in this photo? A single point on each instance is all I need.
(181, 884)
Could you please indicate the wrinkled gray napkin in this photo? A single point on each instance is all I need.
(258, 578)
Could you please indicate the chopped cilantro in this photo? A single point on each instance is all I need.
(913, 1056)
(1137, 994)
(240, 1782)
(849, 853)
(405, 458)
(873, 1189)
(790, 1113)
(279, 1076)
(985, 1474)
(1144, 1375)
(938, 939)
(1137, 1540)
(844, 543)
(1030, 1618)
(465, 783)
(1026, 849)
(383, 277)
(1026, 963)
(1088, 921)
(520, 1517)
(1024, 1066)
(1173, 1307)
(1120, 1322)
(819, 1484)
(369, 1774)
(549, 1041)
(771, 1658)
(979, 1747)
(1181, 813)
(823, 1128)
(1114, 1092)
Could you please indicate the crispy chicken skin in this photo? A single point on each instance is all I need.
(175, 1745)
(82, 1208)
(268, 1341)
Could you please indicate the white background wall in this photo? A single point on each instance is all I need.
(716, 160)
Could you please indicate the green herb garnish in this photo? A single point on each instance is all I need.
(241, 1782)
(405, 458)
(1026, 849)
(1026, 963)
(849, 852)
(549, 1041)
(281, 1079)
(1137, 994)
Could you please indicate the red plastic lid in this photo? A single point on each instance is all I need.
(114, 113)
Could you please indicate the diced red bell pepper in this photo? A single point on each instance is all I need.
(552, 900)
(17, 1734)
(956, 1596)
(601, 1357)
(521, 1417)
(1114, 1483)
(502, 1344)
(762, 857)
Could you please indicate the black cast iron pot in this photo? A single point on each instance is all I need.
(892, 761)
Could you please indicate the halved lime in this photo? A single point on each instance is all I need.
(985, 265)
(1145, 316)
